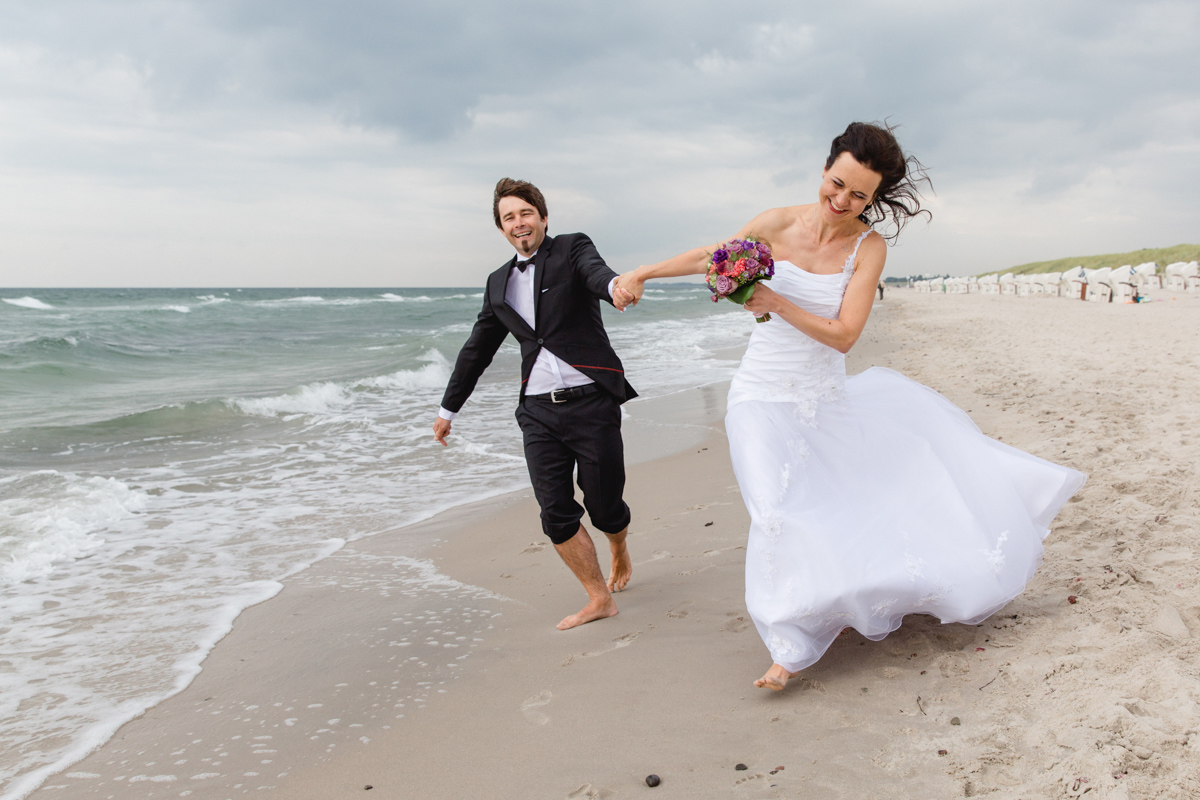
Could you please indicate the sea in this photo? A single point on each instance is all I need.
(170, 457)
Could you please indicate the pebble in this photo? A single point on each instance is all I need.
(707, 524)
(368, 786)
(1072, 599)
(741, 767)
(955, 721)
(941, 752)
(653, 780)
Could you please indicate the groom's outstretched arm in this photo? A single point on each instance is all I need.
(590, 267)
(474, 357)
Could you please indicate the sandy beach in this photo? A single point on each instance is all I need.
(1087, 684)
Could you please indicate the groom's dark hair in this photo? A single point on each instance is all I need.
(525, 190)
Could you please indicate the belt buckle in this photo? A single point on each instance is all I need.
(554, 396)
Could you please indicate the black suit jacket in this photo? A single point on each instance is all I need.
(569, 279)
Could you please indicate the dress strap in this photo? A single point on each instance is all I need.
(849, 266)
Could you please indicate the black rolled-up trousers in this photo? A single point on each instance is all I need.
(583, 432)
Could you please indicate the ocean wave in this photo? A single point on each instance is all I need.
(397, 298)
(27, 302)
(180, 309)
(51, 517)
(317, 398)
(211, 299)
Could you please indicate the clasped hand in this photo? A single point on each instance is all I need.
(627, 291)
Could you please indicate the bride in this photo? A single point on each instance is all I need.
(872, 496)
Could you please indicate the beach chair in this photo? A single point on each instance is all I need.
(1050, 283)
(1008, 283)
(1191, 276)
(1147, 276)
(1124, 284)
(1174, 275)
(1099, 288)
(989, 284)
(1076, 281)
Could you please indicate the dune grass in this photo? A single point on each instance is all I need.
(1161, 256)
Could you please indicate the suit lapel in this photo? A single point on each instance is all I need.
(512, 319)
(539, 274)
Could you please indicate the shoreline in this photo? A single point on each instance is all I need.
(1104, 689)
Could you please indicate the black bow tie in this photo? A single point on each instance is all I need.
(521, 265)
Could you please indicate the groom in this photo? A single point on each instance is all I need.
(572, 385)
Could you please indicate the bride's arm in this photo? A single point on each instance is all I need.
(843, 332)
(695, 261)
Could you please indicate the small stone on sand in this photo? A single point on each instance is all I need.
(955, 721)
(741, 767)
(1072, 599)
(941, 752)
(652, 780)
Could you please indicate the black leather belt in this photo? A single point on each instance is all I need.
(563, 395)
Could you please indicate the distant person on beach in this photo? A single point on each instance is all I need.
(871, 496)
(881, 290)
(572, 385)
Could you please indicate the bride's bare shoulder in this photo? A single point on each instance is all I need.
(777, 220)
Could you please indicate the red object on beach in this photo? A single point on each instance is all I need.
(1072, 599)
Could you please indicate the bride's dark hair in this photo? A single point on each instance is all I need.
(875, 147)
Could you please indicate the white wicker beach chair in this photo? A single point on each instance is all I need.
(1008, 283)
(1191, 276)
(1076, 280)
(1146, 276)
(1099, 288)
(1123, 284)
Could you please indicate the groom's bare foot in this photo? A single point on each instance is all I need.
(776, 678)
(622, 566)
(594, 610)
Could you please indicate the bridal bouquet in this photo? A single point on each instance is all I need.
(734, 268)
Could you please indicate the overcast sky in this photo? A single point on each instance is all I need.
(311, 143)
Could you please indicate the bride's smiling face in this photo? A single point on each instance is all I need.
(847, 188)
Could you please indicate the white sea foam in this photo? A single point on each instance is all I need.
(317, 398)
(396, 298)
(211, 299)
(27, 302)
(51, 517)
(180, 309)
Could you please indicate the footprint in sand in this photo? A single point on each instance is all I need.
(531, 708)
(736, 625)
(655, 556)
(535, 547)
(590, 792)
(679, 611)
(617, 644)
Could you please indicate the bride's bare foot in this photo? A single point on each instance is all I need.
(776, 678)
(622, 567)
(594, 610)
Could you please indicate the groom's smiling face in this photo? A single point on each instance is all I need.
(521, 224)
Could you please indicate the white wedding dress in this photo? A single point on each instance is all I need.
(871, 496)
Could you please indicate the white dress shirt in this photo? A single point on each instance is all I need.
(549, 371)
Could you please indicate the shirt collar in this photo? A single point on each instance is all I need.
(530, 258)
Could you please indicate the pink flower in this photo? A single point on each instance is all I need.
(724, 285)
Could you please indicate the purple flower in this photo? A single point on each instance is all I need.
(752, 264)
(719, 256)
(725, 285)
(762, 248)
